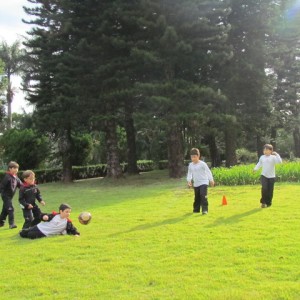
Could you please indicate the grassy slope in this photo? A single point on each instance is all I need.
(143, 243)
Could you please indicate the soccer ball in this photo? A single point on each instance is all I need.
(85, 218)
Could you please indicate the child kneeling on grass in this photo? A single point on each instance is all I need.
(54, 224)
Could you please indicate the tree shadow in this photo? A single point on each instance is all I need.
(233, 219)
(153, 225)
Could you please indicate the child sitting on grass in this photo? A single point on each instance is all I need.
(267, 162)
(55, 224)
(29, 192)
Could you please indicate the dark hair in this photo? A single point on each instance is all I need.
(64, 206)
(27, 174)
(195, 151)
(268, 147)
(12, 164)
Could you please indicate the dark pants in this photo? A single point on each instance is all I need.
(200, 198)
(31, 233)
(32, 217)
(7, 210)
(267, 188)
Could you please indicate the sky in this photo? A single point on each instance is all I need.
(11, 29)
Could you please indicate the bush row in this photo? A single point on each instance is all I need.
(237, 175)
(163, 164)
(241, 175)
(83, 172)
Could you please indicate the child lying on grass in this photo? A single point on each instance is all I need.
(54, 224)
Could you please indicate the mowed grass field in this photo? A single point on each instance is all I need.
(144, 243)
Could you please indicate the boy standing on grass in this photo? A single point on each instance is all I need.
(8, 187)
(55, 224)
(29, 192)
(199, 176)
(267, 162)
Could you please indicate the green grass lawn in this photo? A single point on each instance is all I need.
(144, 243)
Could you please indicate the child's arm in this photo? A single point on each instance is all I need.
(258, 165)
(71, 229)
(38, 196)
(278, 159)
(189, 177)
(3, 183)
(46, 217)
(22, 200)
(19, 182)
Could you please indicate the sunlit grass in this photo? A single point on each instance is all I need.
(144, 243)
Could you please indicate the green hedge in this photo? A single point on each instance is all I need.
(241, 175)
(83, 172)
(237, 175)
(163, 164)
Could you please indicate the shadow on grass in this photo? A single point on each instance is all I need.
(233, 219)
(153, 225)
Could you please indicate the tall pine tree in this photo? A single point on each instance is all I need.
(188, 43)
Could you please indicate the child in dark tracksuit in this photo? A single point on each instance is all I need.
(29, 192)
(54, 224)
(8, 187)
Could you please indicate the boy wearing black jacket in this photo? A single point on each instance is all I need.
(29, 192)
(54, 224)
(8, 188)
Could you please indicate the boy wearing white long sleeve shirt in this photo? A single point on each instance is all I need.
(267, 162)
(199, 176)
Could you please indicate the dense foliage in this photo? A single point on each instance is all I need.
(27, 147)
(120, 81)
(83, 172)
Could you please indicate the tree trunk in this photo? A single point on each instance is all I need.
(230, 144)
(65, 150)
(273, 136)
(259, 146)
(9, 99)
(213, 150)
(296, 135)
(131, 142)
(175, 152)
(114, 169)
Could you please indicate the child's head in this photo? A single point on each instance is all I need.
(29, 177)
(13, 167)
(64, 210)
(268, 149)
(195, 155)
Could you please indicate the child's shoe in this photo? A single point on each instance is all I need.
(264, 205)
(13, 226)
(1, 224)
(204, 212)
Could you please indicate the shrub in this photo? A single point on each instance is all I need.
(244, 156)
(26, 147)
(143, 166)
(82, 172)
(163, 164)
(81, 151)
(241, 175)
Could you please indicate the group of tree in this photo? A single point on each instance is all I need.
(162, 76)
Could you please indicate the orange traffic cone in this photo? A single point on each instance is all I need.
(224, 200)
